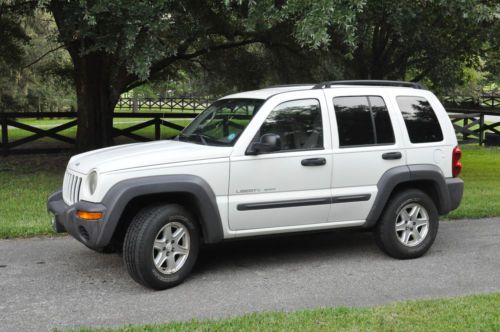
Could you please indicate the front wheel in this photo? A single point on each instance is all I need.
(408, 226)
(161, 246)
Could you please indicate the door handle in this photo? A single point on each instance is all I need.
(392, 155)
(313, 162)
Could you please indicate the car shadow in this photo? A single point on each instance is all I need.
(287, 249)
(279, 252)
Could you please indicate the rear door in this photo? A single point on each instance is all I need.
(366, 143)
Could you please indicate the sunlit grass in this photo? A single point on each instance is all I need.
(472, 313)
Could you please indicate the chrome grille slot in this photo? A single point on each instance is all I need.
(71, 188)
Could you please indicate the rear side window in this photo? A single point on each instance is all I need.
(420, 119)
(363, 120)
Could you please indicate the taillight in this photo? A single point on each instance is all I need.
(456, 165)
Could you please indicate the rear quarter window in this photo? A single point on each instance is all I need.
(362, 120)
(420, 119)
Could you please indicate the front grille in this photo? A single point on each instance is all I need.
(71, 188)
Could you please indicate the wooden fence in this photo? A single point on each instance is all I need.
(475, 120)
(487, 101)
(471, 123)
(13, 120)
(171, 104)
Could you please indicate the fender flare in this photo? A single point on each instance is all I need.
(123, 192)
(401, 174)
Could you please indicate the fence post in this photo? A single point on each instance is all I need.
(5, 136)
(157, 129)
(481, 129)
(464, 134)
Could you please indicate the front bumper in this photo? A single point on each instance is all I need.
(64, 219)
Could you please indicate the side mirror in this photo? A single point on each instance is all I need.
(267, 143)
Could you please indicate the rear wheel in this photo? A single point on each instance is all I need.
(161, 246)
(408, 226)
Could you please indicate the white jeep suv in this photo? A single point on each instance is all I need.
(379, 155)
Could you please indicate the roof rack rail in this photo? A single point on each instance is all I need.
(370, 83)
(288, 85)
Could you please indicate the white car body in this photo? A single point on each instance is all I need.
(238, 178)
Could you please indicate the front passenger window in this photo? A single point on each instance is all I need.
(297, 122)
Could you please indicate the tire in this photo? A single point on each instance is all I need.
(140, 248)
(406, 236)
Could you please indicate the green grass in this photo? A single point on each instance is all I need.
(472, 313)
(481, 174)
(25, 182)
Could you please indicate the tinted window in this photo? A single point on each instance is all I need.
(420, 119)
(297, 122)
(362, 120)
(383, 125)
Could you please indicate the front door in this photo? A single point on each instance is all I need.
(289, 187)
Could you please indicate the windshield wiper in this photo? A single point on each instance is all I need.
(202, 138)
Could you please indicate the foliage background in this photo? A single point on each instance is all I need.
(452, 47)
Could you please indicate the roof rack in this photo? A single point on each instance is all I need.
(288, 85)
(370, 83)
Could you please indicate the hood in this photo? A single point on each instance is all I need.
(144, 154)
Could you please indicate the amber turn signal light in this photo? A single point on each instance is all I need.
(89, 215)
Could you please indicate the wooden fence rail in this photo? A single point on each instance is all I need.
(487, 101)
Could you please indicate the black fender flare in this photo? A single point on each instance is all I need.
(401, 174)
(118, 197)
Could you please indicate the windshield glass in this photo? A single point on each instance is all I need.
(221, 123)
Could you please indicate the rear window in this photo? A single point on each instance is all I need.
(362, 120)
(420, 119)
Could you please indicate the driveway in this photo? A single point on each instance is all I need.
(58, 283)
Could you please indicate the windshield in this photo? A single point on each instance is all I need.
(221, 123)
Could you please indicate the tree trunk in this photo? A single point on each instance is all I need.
(96, 100)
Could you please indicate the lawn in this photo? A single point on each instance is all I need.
(25, 182)
(481, 174)
(472, 313)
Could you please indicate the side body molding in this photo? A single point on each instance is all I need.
(401, 174)
(198, 189)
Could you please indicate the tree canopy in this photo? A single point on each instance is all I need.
(437, 42)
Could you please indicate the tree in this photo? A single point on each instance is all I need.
(118, 45)
(33, 77)
(433, 41)
(421, 39)
(12, 41)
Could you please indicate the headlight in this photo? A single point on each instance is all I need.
(92, 182)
